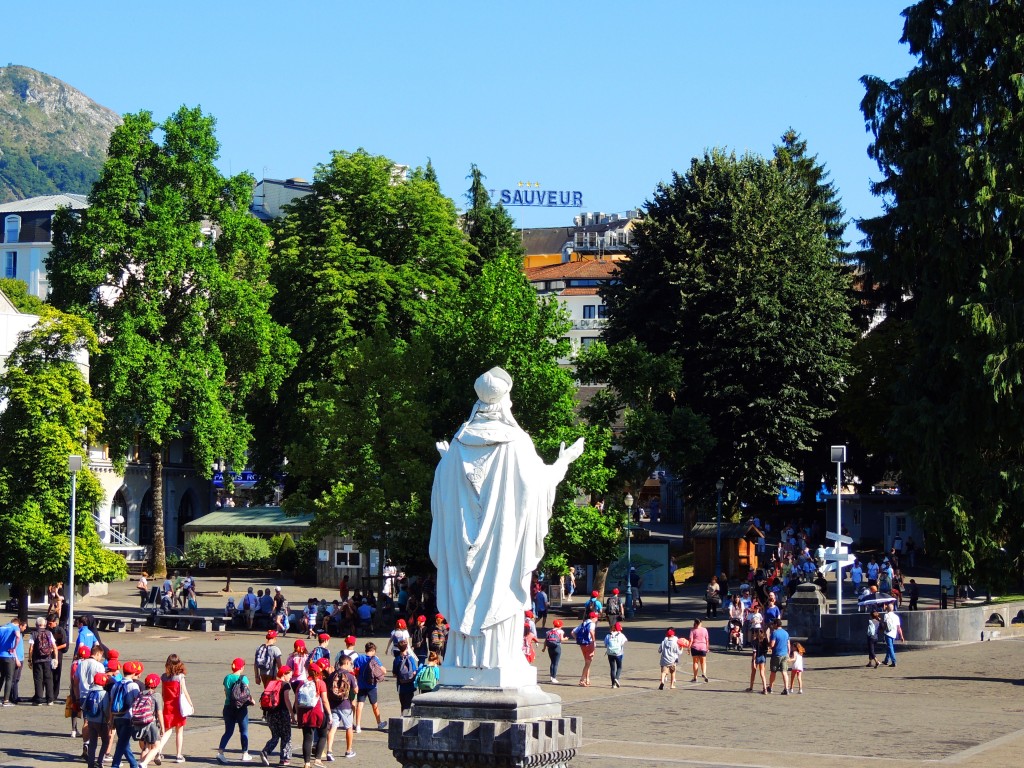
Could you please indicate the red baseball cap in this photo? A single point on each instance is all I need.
(271, 634)
(83, 652)
(529, 614)
(594, 593)
(237, 664)
(152, 680)
(615, 591)
(300, 646)
(593, 614)
(350, 640)
(100, 679)
(323, 636)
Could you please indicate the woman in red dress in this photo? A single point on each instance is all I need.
(174, 693)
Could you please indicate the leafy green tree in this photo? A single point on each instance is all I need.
(363, 264)
(948, 139)
(173, 271)
(733, 278)
(49, 414)
(228, 551)
(17, 291)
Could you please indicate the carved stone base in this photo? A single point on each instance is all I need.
(477, 727)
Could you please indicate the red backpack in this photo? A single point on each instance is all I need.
(271, 696)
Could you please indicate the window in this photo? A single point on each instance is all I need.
(589, 311)
(901, 524)
(11, 264)
(587, 341)
(602, 310)
(12, 229)
(347, 557)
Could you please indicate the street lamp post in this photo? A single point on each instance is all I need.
(719, 485)
(74, 466)
(628, 501)
(839, 456)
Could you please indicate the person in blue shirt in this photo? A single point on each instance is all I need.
(779, 645)
(85, 636)
(10, 639)
(772, 610)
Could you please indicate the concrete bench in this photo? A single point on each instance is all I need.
(116, 624)
(183, 622)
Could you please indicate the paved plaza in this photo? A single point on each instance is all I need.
(960, 705)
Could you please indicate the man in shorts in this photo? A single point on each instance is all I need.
(779, 645)
(343, 710)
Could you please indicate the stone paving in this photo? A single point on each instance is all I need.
(960, 705)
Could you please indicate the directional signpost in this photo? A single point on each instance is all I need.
(841, 557)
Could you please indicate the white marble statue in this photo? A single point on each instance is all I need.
(491, 503)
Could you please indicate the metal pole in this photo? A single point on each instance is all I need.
(629, 557)
(75, 466)
(718, 526)
(839, 530)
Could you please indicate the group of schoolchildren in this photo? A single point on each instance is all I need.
(306, 690)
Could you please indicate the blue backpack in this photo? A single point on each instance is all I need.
(92, 707)
(582, 634)
(118, 696)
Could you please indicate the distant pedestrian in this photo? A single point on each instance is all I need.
(758, 658)
(893, 631)
(669, 658)
(779, 645)
(613, 609)
(872, 637)
(42, 658)
(700, 644)
(913, 593)
(586, 639)
(796, 667)
(614, 644)
(268, 659)
(712, 598)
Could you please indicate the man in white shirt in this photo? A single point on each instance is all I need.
(893, 630)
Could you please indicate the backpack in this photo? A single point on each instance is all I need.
(143, 711)
(613, 607)
(117, 697)
(239, 694)
(426, 678)
(406, 670)
(316, 654)
(271, 696)
(92, 707)
(582, 634)
(339, 686)
(377, 671)
(264, 661)
(553, 637)
(44, 641)
(307, 696)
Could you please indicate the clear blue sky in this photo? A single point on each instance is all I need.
(604, 98)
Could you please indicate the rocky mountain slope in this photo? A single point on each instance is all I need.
(53, 138)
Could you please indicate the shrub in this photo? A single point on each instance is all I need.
(287, 555)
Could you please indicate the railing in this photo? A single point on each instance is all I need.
(116, 539)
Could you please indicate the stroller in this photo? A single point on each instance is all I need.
(735, 637)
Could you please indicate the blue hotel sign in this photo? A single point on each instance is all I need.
(547, 198)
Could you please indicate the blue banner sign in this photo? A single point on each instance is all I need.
(244, 479)
(547, 198)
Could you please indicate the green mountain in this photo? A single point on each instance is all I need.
(53, 138)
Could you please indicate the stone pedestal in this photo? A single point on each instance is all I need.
(476, 726)
(804, 611)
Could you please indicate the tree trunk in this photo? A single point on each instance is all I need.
(20, 592)
(227, 587)
(600, 577)
(156, 471)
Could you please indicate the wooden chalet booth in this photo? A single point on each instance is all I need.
(739, 549)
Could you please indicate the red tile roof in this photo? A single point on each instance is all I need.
(590, 269)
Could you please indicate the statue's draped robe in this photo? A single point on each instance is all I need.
(491, 503)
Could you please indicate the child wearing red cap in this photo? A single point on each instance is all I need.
(553, 643)
(237, 701)
(148, 731)
(398, 634)
(268, 660)
(122, 696)
(419, 636)
(278, 711)
(96, 710)
(297, 661)
(586, 639)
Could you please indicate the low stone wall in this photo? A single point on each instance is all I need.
(920, 628)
